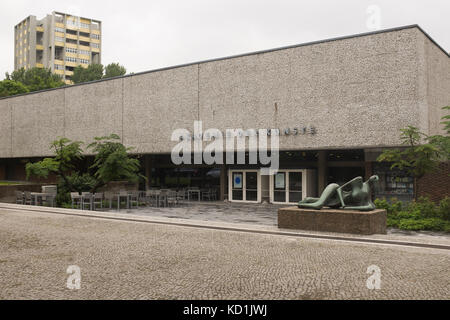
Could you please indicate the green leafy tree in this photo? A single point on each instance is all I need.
(443, 141)
(112, 161)
(67, 154)
(36, 78)
(114, 70)
(91, 73)
(421, 153)
(10, 88)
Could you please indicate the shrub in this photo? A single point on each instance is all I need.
(434, 224)
(424, 207)
(444, 208)
(422, 214)
(392, 208)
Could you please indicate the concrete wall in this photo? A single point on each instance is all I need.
(357, 92)
(438, 85)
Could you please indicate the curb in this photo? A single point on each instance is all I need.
(216, 226)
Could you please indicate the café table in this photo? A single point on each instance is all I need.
(36, 195)
(194, 191)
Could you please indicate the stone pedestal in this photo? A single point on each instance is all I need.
(333, 220)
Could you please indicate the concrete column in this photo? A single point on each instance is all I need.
(322, 173)
(148, 171)
(368, 169)
(223, 177)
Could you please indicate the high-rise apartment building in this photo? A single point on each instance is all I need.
(59, 41)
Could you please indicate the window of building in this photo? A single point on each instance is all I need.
(95, 45)
(59, 39)
(71, 50)
(59, 67)
(57, 29)
(84, 34)
(84, 61)
(95, 36)
(71, 59)
(84, 43)
(72, 32)
(84, 52)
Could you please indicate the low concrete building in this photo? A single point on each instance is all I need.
(336, 103)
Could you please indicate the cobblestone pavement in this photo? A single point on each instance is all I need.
(132, 260)
(263, 214)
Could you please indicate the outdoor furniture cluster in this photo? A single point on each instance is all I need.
(170, 197)
(93, 201)
(123, 198)
(45, 198)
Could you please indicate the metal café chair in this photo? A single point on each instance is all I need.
(110, 197)
(171, 198)
(86, 199)
(133, 198)
(162, 197)
(49, 199)
(20, 198)
(120, 195)
(76, 199)
(206, 194)
(97, 199)
(28, 198)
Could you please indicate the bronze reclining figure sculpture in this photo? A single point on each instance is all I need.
(358, 198)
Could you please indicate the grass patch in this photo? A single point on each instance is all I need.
(8, 183)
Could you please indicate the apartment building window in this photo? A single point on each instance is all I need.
(84, 61)
(59, 39)
(71, 59)
(57, 29)
(59, 67)
(95, 36)
(84, 25)
(71, 22)
(71, 50)
(85, 52)
(95, 45)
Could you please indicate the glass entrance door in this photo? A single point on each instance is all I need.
(287, 186)
(244, 185)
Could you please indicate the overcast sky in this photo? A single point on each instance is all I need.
(144, 35)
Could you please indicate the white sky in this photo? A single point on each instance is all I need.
(144, 35)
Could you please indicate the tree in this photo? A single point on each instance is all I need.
(91, 73)
(35, 79)
(112, 162)
(114, 70)
(63, 165)
(10, 88)
(443, 141)
(421, 154)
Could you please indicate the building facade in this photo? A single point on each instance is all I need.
(59, 41)
(336, 105)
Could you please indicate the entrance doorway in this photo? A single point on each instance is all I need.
(291, 186)
(244, 185)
